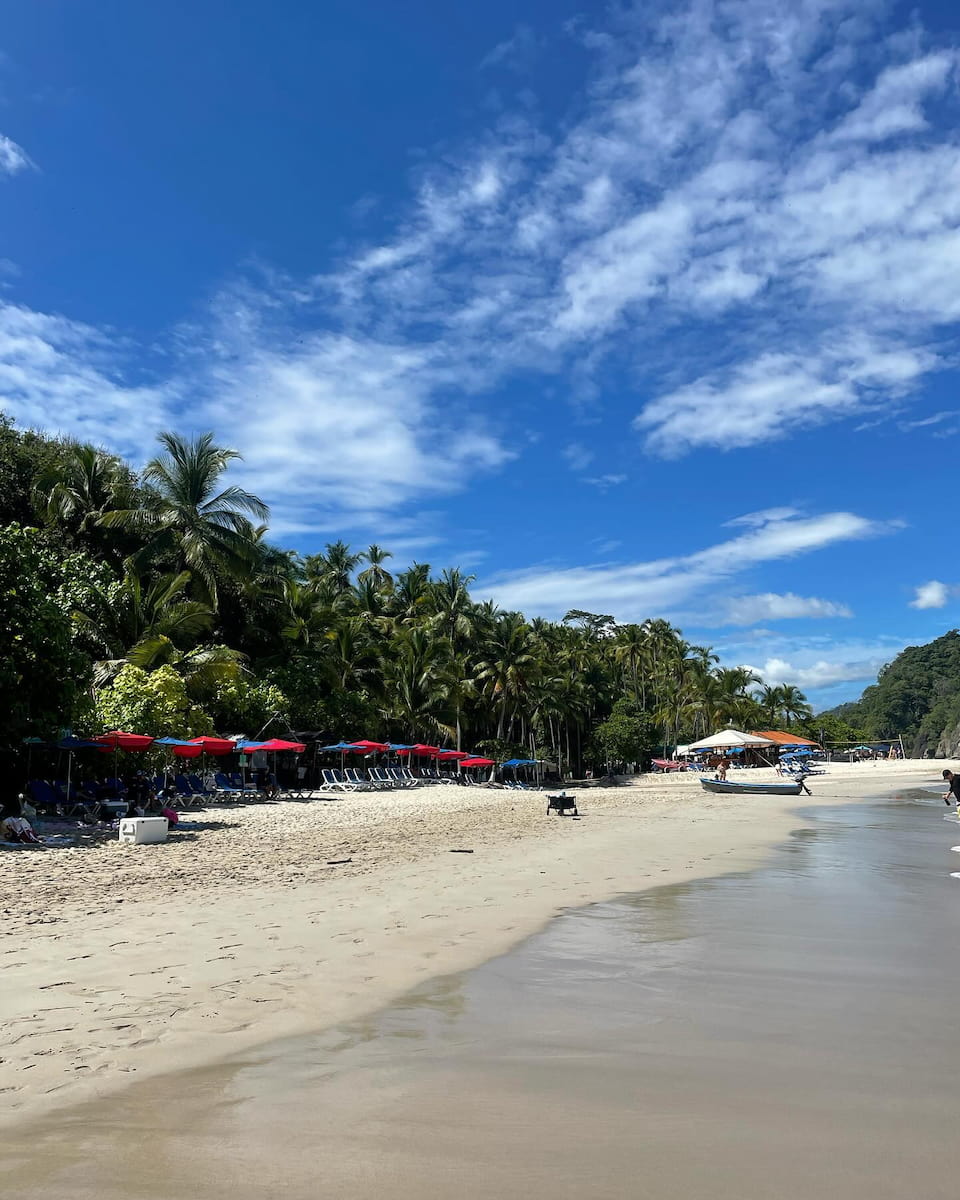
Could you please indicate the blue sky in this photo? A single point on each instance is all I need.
(646, 310)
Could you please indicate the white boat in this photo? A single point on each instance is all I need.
(730, 788)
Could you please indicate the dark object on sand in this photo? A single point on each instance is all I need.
(461, 851)
(338, 862)
(560, 802)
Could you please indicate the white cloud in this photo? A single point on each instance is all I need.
(634, 591)
(60, 375)
(331, 429)
(820, 674)
(895, 103)
(931, 595)
(790, 166)
(604, 482)
(767, 398)
(769, 606)
(928, 422)
(13, 158)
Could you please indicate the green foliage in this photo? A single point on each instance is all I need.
(917, 695)
(24, 457)
(830, 728)
(154, 702)
(185, 619)
(244, 705)
(43, 674)
(626, 736)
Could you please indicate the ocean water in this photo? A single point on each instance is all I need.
(787, 1033)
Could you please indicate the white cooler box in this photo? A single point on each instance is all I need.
(142, 831)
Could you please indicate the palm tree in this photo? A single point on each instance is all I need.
(411, 593)
(142, 621)
(453, 606)
(507, 664)
(80, 487)
(334, 568)
(187, 520)
(375, 572)
(793, 704)
(417, 678)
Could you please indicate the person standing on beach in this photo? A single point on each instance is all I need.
(722, 767)
(954, 781)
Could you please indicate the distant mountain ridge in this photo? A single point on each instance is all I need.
(917, 696)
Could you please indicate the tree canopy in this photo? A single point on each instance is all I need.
(154, 599)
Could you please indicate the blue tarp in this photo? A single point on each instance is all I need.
(520, 762)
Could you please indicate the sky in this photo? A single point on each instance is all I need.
(647, 310)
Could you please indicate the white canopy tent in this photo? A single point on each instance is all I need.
(727, 739)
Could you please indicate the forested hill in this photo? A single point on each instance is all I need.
(917, 696)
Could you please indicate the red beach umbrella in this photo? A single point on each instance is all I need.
(187, 751)
(453, 755)
(275, 744)
(477, 762)
(213, 745)
(365, 747)
(116, 739)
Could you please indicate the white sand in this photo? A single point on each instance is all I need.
(122, 961)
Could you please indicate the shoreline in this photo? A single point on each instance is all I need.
(246, 935)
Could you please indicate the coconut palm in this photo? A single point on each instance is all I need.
(375, 572)
(188, 519)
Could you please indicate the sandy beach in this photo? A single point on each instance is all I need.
(122, 962)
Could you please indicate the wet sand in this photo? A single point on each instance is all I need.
(785, 1032)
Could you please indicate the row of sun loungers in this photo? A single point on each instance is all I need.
(382, 778)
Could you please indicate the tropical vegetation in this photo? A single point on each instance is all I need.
(155, 599)
(916, 696)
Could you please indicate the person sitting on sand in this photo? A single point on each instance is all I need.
(14, 827)
(954, 781)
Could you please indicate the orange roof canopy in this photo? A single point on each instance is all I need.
(783, 739)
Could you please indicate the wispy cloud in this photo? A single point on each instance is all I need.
(634, 591)
(578, 457)
(13, 158)
(770, 606)
(787, 166)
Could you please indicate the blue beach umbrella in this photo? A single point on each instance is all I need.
(71, 743)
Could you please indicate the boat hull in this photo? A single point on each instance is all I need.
(730, 788)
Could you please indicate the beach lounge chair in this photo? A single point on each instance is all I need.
(407, 775)
(334, 781)
(225, 787)
(44, 798)
(185, 793)
(199, 788)
(360, 781)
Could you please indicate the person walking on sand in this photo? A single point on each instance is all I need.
(954, 791)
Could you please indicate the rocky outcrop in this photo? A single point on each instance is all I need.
(949, 744)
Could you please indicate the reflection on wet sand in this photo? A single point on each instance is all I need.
(787, 1032)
